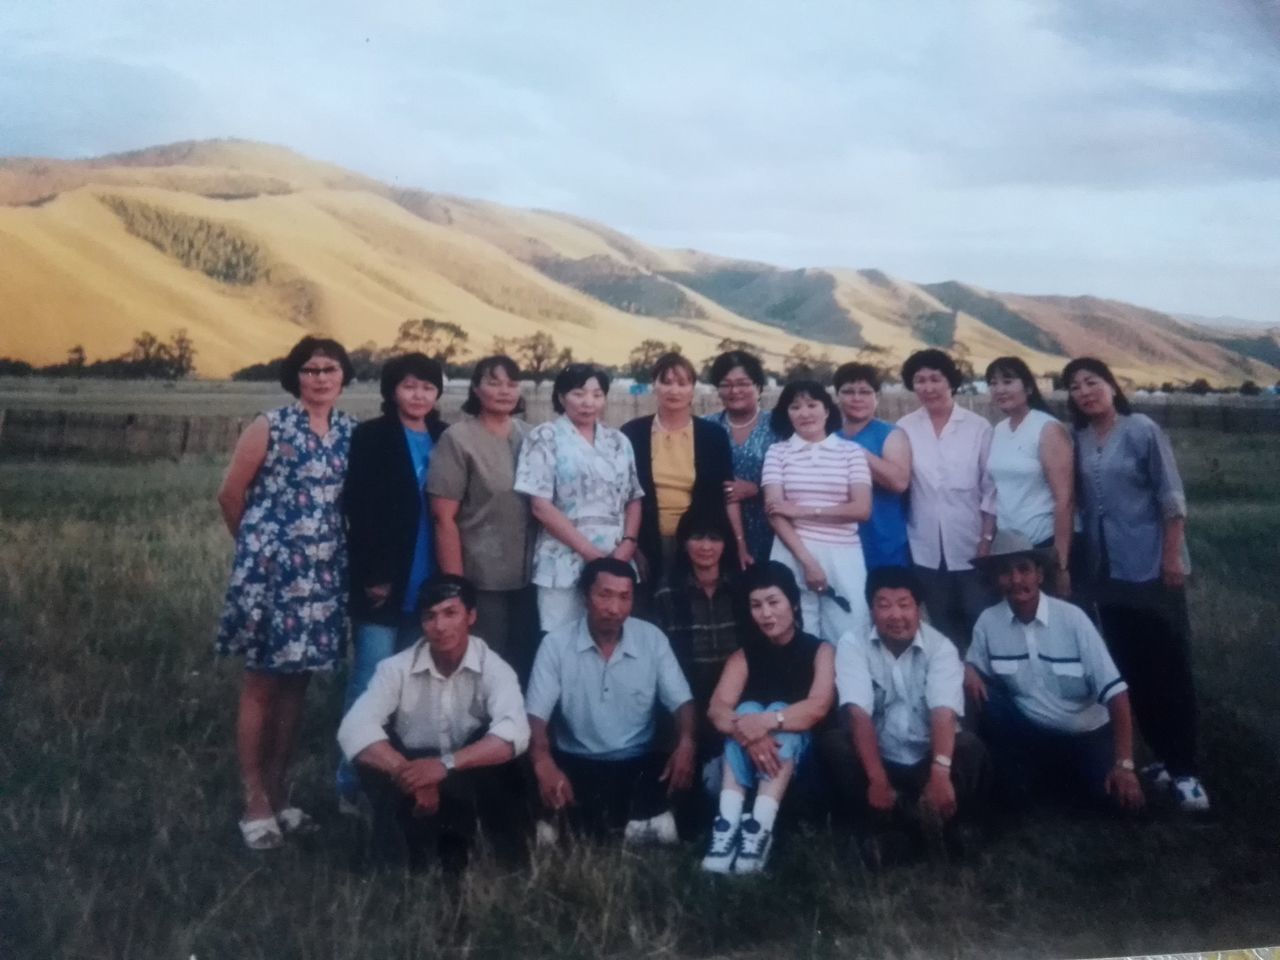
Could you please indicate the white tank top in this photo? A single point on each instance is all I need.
(1023, 498)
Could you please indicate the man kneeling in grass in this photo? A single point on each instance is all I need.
(897, 762)
(602, 677)
(434, 735)
(1054, 710)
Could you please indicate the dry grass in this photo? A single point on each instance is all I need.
(118, 798)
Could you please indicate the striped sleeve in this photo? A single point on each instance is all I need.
(772, 472)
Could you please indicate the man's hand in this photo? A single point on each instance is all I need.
(678, 773)
(939, 794)
(974, 686)
(1172, 574)
(553, 786)
(421, 774)
(426, 802)
(881, 796)
(1123, 787)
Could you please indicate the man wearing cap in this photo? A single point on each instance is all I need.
(602, 678)
(898, 761)
(1054, 710)
(434, 734)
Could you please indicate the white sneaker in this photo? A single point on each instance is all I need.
(659, 830)
(545, 834)
(1190, 795)
(723, 848)
(753, 847)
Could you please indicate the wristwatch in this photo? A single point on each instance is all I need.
(942, 761)
(1125, 765)
(449, 763)
(779, 719)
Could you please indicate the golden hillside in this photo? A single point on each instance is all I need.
(248, 246)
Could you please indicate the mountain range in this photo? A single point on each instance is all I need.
(247, 246)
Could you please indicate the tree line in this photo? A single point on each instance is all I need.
(148, 358)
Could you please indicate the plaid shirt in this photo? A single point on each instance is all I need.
(703, 631)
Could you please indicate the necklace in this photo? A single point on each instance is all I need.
(743, 426)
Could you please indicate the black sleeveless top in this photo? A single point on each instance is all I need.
(780, 674)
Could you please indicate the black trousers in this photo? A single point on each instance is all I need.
(970, 776)
(954, 599)
(488, 799)
(608, 793)
(1147, 630)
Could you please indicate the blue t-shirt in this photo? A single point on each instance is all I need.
(884, 534)
(420, 447)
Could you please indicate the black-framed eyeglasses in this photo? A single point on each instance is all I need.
(726, 386)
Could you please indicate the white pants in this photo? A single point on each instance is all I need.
(846, 572)
(558, 606)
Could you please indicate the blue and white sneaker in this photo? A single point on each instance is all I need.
(1190, 794)
(723, 848)
(753, 847)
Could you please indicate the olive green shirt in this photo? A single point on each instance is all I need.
(472, 466)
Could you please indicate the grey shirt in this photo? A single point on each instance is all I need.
(1127, 488)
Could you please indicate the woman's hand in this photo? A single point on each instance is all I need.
(751, 727)
(1062, 583)
(814, 577)
(624, 551)
(764, 754)
(736, 491)
(377, 595)
(593, 553)
(784, 508)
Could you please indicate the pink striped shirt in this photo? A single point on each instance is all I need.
(817, 475)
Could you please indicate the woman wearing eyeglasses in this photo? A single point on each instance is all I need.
(285, 609)
(739, 379)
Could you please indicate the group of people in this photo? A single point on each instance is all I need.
(569, 628)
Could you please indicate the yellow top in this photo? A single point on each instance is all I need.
(672, 475)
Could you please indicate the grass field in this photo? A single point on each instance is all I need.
(118, 796)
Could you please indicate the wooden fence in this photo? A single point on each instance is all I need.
(35, 432)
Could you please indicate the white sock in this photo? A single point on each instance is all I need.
(731, 806)
(765, 811)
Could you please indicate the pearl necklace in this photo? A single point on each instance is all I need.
(743, 426)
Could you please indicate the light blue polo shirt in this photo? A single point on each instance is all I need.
(606, 708)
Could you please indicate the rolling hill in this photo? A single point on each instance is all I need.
(248, 246)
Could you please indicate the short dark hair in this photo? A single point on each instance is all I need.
(931, 359)
(1098, 369)
(484, 367)
(410, 365)
(1017, 368)
(780, 419)
(893, 578)
(749, 363)
(761, 576)
(440, 587)
(853, 372)
(572, 377)
(592, 570)
(674, 361)
(304, 350)
(700, 520)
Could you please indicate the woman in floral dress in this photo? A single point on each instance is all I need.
(285, 610)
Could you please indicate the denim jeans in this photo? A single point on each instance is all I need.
(374, 642)
(791, 746)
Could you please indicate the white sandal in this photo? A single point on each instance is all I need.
(296, 821)
(261, 834)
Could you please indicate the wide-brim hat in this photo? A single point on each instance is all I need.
(1014, 543)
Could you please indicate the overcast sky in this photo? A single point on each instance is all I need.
(1125, 148)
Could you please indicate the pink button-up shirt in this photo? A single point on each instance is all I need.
(950, 488)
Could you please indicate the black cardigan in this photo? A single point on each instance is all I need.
(712, 467)
(382, 504)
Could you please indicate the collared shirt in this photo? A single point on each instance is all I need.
(590, 483)
(606, 707)
(1056, 668)
(1127, 489)
(703, 630)
(898, 692)
(950, 487)
(817, 475)
(430, 711)
(1024, 499)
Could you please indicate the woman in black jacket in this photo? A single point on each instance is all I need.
(683, 461)
(388, 523)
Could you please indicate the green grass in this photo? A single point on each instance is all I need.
(118, 797)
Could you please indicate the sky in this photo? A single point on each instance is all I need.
(1122, 148)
